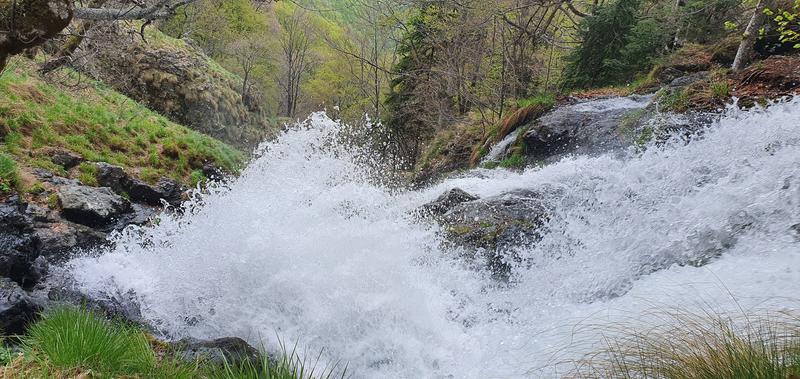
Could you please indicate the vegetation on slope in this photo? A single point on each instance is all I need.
(99, 124)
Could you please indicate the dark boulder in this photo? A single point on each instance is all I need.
(60, 288)
(17, 309)
(447, 201)
(66, 158)
(213, 172)
(218, 351)
(113, 177)
(18, 244)
(91, 206)
(488, 231)
(59, 240)
(166, 189)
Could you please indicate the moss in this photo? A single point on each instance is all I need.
(460, 229)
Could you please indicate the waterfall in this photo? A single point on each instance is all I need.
(302, 247)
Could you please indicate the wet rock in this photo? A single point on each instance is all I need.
(490, 229)
(213, 172)
(113, 177)
(139, 215)
(60, 288)
(166, 189)
(447, 201)
(218, 351)
(18, 245)
(685, 81)
(588, 127)
(66, 159)
(17, 309)
(91, 206)
(61, 239)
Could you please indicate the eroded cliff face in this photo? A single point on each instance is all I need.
(30, 23)
(180, 82)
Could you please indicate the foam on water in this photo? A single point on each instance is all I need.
(302, 247)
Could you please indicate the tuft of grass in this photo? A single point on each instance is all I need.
(675, 102)
(88, 174)
(71, 338)
(514, 161)
(9, 175)
(74, 343)
(52, 201)
(289, 366)
(721, 90)
(694, 346)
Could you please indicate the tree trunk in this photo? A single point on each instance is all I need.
(29, 23)
(745, 52)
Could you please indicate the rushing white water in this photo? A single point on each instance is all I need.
(501, 147)
(302, 248)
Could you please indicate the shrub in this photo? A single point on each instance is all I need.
(71, 338)
(9, 176)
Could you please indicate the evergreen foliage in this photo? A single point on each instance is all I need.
(604, 35)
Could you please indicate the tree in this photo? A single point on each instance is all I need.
(603, 36)
(745, 51)
(249, 53)
(29, 23)
(297, 63)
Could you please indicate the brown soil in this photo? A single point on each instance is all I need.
(772, 78)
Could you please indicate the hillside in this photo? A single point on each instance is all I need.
(87, 118)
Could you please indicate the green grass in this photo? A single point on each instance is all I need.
(9, 175)
(693, 346)
(674, 102)
(514, 161)
(71, 338)
(87, 173)
(721, 90)
(546, 99)
(99, 124)
(70, 343)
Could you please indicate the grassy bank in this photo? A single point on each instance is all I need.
(90, 119)
(71, 343)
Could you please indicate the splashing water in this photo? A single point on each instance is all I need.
(300, 246)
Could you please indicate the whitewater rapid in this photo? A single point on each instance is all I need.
(303, 248)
